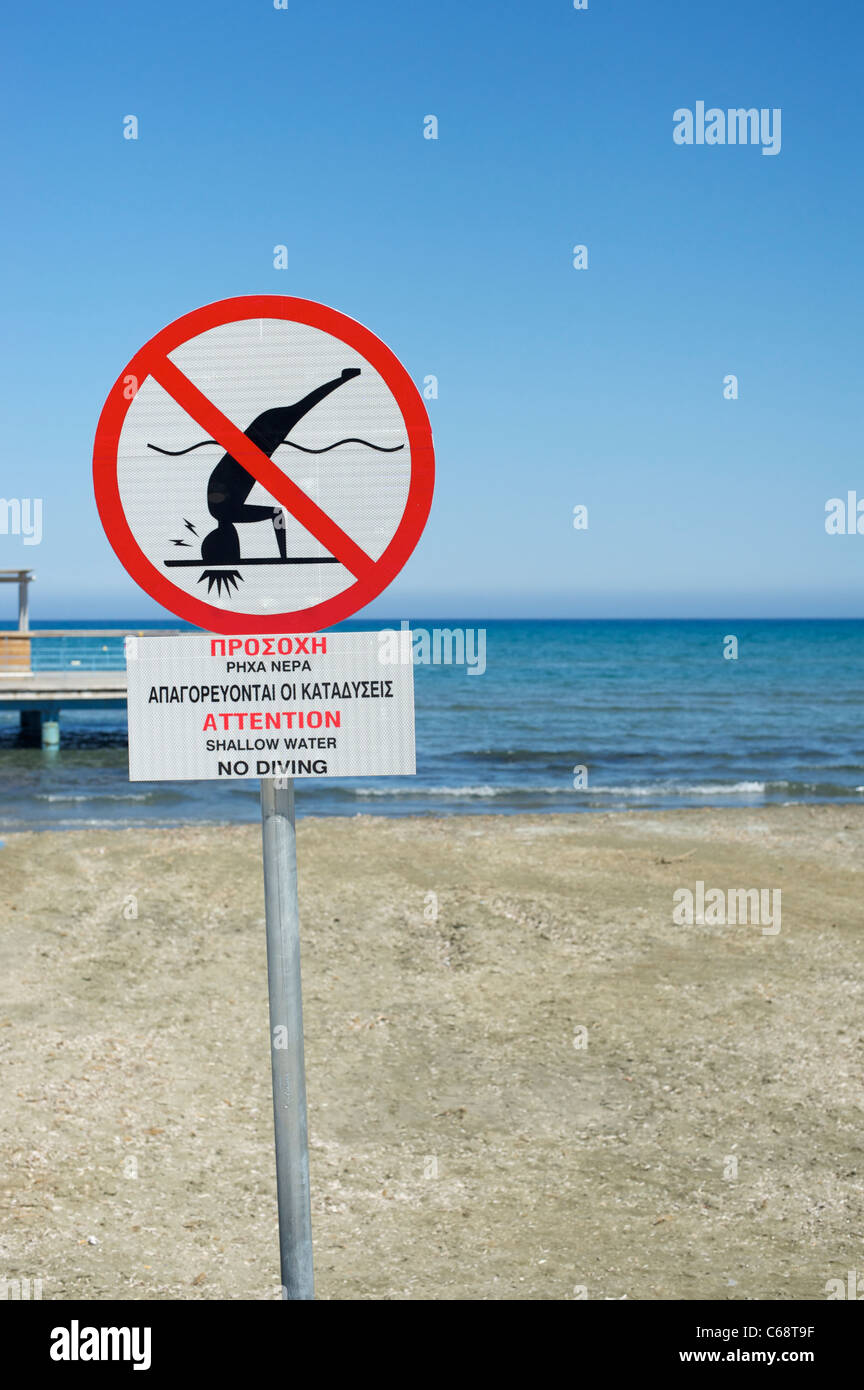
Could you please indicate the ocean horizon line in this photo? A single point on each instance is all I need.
(10, 624)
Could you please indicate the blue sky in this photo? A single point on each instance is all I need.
(605, 387)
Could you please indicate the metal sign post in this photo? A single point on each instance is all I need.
(286, 1037)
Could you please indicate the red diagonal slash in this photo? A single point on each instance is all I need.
(262, 469)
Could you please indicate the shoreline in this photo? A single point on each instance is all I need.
(467, 813)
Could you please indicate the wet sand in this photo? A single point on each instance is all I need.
(705, 1143)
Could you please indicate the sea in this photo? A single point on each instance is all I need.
(568, 716)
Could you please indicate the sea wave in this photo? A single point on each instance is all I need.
(98, 796)
(687, 789)
(417, 791)
(562, 788)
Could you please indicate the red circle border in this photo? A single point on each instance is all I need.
(417, 506)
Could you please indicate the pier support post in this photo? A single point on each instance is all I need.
(41, 726)
(31, 725)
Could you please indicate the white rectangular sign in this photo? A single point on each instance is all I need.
(300, 705)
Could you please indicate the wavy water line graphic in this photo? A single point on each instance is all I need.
(205, 443)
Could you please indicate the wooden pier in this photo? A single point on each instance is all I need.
(39, 696)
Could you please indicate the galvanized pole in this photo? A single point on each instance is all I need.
(286, 1037)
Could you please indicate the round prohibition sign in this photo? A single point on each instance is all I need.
(132, 516)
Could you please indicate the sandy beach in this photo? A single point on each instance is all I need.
(702, 1139)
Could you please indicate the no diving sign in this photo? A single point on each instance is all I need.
(264, 464)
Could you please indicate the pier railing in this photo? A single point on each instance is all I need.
(14, 652)
(67, 649)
